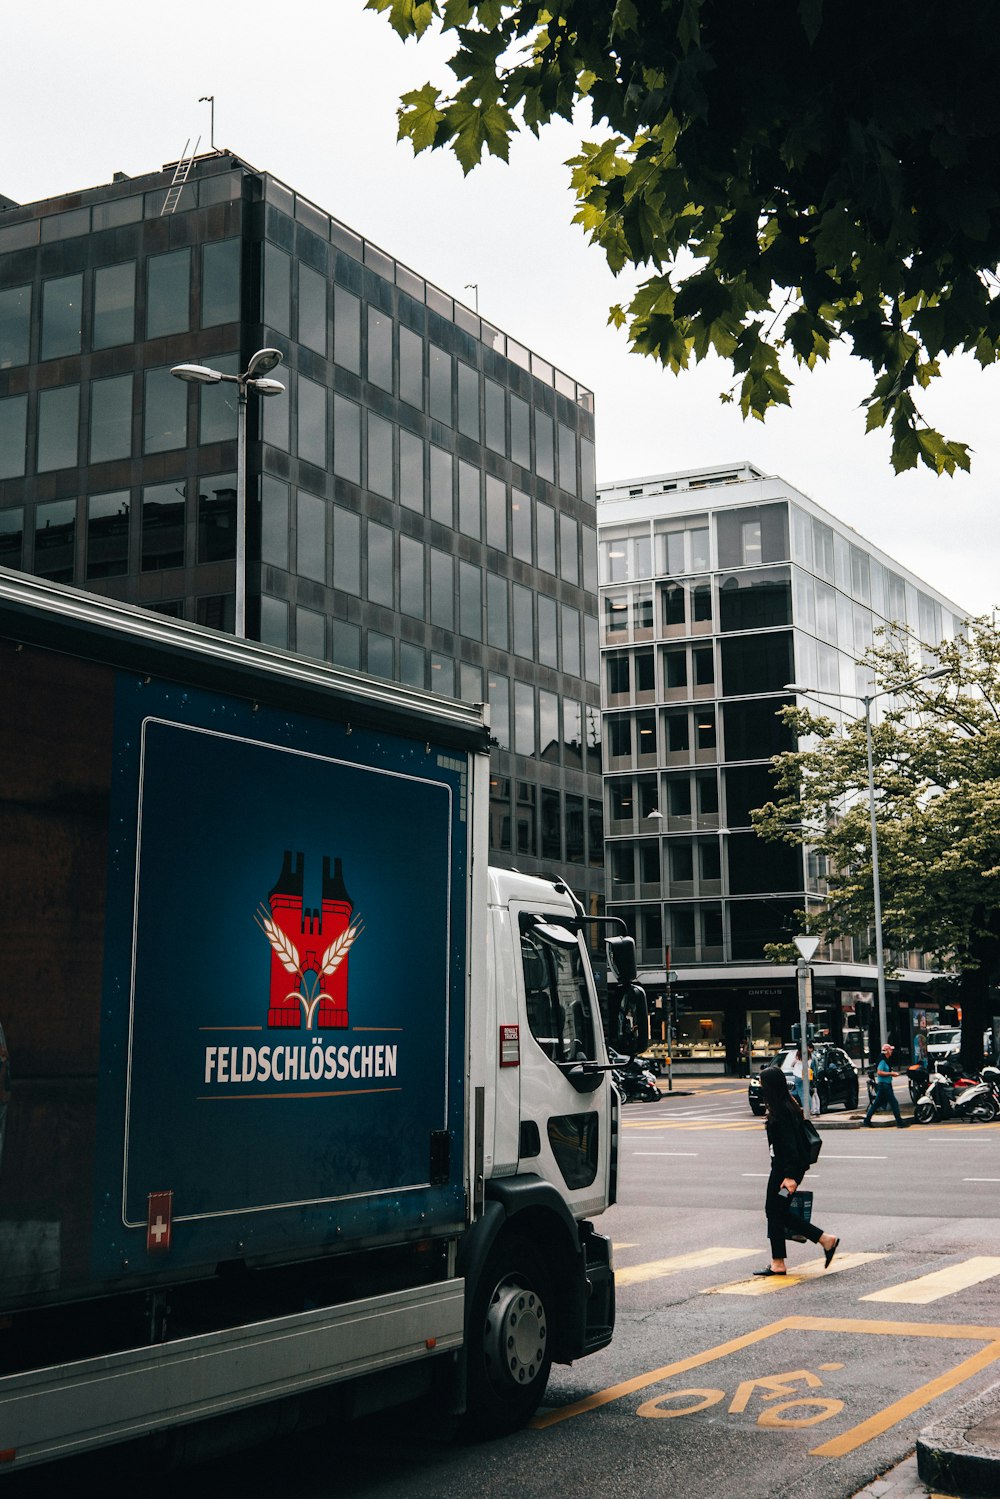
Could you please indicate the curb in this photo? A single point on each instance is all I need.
(961, 1450)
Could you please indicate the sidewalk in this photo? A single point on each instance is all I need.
(957, 1456)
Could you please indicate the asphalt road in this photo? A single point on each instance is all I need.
(717, 1384)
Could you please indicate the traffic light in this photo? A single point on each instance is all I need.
(678, 1007)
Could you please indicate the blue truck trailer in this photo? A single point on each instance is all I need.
(303, 1108)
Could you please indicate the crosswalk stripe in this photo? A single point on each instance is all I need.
(765, 1285)
(697, 1259)
(939, 1283)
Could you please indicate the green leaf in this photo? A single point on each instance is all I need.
(419, 118)
(406, 17)
(475, 129)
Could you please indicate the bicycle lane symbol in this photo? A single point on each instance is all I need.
(809, 1410)
(798, 1385)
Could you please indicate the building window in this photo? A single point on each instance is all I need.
(381, 653)
(498, 688)
(440, 379)
(114, 305)
(274, 622)
(496, 513)
(442, 487)
(497, 629)
(526, 815)
(217, 404)
(544, 451)
(468, 401)
(702, 602)
(15, 326)
(442, 590)
(277, 290)
(347, 439)
(575, 838)
(62, 321)
(470, 601)
(381, 571)
(469, 504)
(220, 283)
(673, 605)
(411, 368)
(311, 536)
(567, 460)
(520, 431)
(217, 518)
(310, 633)
(345, 644)
(165, 407)
(545, 536)
(11, 536)
(412, 664)
(520, 519)
(312, 422)
(55, 540)
(379, 348)
(168, 293)
(551, 825)
(58, 428)
(347, 332)
(548, 630)
(569, 550)
(380, 468)
(312, 309)
(346, 550)
(411, 577)
(675, 669)
(549, 742)
(496, 425)
(525, 741)
(570, 640)
(411, 471)
(442, 675)
(273, 521)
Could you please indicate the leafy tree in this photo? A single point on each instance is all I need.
(791, 175)
(936, 771)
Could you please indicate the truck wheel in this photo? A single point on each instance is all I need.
(509, 1358)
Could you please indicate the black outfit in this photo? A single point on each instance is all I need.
(788, 1159)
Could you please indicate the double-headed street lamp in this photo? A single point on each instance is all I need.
(253, 378)
(867, 699)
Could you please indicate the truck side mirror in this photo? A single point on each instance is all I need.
(632, 1031)
(621, 958)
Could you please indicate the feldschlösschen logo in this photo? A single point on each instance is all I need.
(311, 946)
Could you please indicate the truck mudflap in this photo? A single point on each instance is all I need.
(70, 1408)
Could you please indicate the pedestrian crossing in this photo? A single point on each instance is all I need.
(921, 1290)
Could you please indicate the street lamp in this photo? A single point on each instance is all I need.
(868, 699)
(253, 378)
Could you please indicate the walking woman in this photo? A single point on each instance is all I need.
(789, 1164)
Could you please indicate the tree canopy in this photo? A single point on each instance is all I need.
(786, 176)
(936, 771)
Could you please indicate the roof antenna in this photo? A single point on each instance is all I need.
(473, 286)
(210, 99)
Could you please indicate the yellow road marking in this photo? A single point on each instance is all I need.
(763, 1285)
(695, 1260)
(857, 1435)
(946, 1282)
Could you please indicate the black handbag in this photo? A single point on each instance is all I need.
(800, 1203)
(811, 1140)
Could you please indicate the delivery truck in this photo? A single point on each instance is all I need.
(304, 1109)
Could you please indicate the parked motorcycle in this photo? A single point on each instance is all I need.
(947, 1099)
(635, 1082)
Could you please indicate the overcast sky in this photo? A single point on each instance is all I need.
(308, 91)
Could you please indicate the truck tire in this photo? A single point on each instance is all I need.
(508, 1356)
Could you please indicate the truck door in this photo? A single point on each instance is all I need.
(565, 1104)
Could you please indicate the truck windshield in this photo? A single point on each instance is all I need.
(556, 995)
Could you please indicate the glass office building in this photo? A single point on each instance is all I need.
(421, 500)
(717, 589)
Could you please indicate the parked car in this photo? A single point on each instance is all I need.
(834, 1077)
(943, 1043)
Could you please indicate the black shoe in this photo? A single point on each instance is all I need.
(769, 1271)
(829, 1253)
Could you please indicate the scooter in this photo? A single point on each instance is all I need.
(945, 1099)
(636, 1083)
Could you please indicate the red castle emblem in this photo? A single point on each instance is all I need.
(312, 946)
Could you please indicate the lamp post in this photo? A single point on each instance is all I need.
(807, 948)
(253, 378)
(867, 699)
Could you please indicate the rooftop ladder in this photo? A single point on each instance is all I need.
(181, 173)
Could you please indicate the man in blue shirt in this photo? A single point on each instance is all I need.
(884, 1097)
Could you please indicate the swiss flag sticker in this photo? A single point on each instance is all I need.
(159, 1222)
